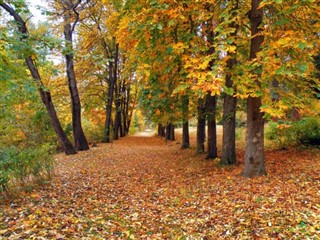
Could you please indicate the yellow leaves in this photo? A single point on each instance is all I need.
(144, 70)
(179, 47)
(231, 49)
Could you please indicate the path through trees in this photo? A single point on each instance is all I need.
(143, 187)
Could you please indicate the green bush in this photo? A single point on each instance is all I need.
(308, 131)
(21, 167)
(284, 133)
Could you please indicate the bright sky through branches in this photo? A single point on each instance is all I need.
(35, 9)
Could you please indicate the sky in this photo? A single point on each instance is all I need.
(33, 7)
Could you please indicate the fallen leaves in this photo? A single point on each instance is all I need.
(141, 188)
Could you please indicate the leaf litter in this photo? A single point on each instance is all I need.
(143, 188)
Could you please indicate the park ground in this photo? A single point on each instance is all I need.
(142, 187)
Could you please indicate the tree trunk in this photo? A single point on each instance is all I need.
(160, 129)
(211, 100)
(117, 89)
(163, 131)
(172, 135)
(254, 151)
(185, 117)
(107, 136)
(123, 110)
(127, 115)
(45, 94)
(201, 126)
(229, 127)
(167, 132)
(212, 126)
(80, 140)
(230, 106)
(185, 135)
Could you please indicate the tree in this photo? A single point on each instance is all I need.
(185, 122)
(201, 126)
(230, 101)
(44, 93)
(254, 151)
(211, 99)
(70, 14)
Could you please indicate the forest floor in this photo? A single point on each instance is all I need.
(141, 187)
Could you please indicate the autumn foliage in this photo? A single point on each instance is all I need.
(96, 71)
(142, 188)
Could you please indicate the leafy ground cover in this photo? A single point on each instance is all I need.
(143, 188)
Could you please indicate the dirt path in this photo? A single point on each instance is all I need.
(141, 187)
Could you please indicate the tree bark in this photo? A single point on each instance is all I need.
(167, 132)
(107, 136)
(45, 94)
(254, 151)
(229, 107)
(80, 140)
(127, 116)
(163, 131)
(185, 121)
(201, 126)
(229, 127)
(159, 129)
(172, 135)
(123, 109)
(211, 103)
(117, 100)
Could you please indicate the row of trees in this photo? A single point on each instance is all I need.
(189, 54)
(179, 58)
(96, 67)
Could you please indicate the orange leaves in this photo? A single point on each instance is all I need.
(142, 188)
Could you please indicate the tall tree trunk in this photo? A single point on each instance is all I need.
(117, 122)
(126, 116)
(230, 106)
(107, 136)
(229, 126)
(201, 126)
(117, 90)
(133, 102)
(80, 140)
(211, 103)
(45, 94)
(123, 109)
(254, 151)
(117, 119)
(185, 121)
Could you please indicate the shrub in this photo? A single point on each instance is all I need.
(308, 131)
(305, 131)
(21, 167)
(281, 133)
